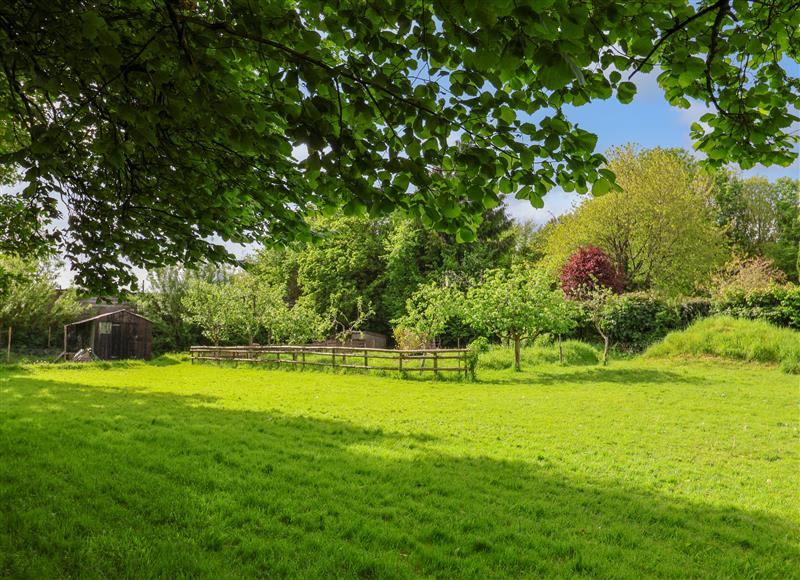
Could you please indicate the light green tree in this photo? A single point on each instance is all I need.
(214, 309)
(30, 303)
(429, 309)
(658, 228)
(517, 304)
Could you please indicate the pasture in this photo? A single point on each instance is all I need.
(168, 469)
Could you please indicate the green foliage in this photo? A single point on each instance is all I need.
(162, 302)
(746, 275)
(167, 126)
(475, 349)
(340, 274)
(298, 324)
(430, 309)
(216, 310)
(726, 337)
(776, 304)
(576, 353)
(638, 319)
(518, 304)
(657, 229)
(31, 304)
(760, 218)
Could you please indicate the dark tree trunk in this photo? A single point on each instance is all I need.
(517, 341)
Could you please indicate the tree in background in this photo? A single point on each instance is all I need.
(599, 302)
(31, 305)
(298, 324)
(415, 255)
(340, 274)
(429, 310)
(516, 304)
(162, 302)
(212, 307)
(746, 275)
(588, 268)
(760, 218)
(658, 228)
(261, 304)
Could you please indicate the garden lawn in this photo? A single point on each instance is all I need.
(167, 469)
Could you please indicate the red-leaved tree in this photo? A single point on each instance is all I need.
(587, 269)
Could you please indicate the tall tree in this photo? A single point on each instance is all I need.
(759, 217)
(167, 126)
(658, 229)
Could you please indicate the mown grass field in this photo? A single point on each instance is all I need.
(646, 467)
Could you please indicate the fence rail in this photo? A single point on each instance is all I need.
(384, 359)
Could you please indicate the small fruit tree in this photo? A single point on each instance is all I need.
(517, 304)
(429, 310)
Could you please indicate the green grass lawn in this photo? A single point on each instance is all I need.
(646, 467)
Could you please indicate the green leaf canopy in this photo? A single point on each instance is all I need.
(167, 126)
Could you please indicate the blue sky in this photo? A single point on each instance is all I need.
(648, 121)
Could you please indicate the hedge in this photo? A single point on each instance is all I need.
(779, 305)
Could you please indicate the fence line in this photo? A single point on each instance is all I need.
(407, 360)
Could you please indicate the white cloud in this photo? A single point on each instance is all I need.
(556, 203)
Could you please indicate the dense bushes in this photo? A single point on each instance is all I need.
(726, 337)
(636, 320)
(777, 304)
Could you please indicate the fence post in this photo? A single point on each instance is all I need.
(303, 353)
(401, 361)
(333, 355)
(366, 363)
(435, 362)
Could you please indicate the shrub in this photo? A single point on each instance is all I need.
(776, 304)
(576, 353)
(747, 275)
(589, 267)
(690, 309)
(636, 320)
(474, 349)
(727, 337)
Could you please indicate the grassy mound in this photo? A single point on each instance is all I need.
(725, 337)
(575, 353)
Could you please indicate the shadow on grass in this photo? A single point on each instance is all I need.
(106, 482)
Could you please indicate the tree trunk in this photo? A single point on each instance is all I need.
(517, 341)
(8, 350)
(560, 351)
(605, 349)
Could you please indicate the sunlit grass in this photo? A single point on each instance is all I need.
(168, 469)
(738, 339)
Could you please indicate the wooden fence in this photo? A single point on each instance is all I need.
(384, 359)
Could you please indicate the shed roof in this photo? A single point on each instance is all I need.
(107, 314)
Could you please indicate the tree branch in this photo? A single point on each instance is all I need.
(675, 29)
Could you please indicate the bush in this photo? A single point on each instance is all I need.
(777, 304)
(727, 337)
(691, 309)
(576, 353)
(474, 349)
(638, 319)
(587, 268)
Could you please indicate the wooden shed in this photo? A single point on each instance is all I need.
(360, 339)
(120, 334)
